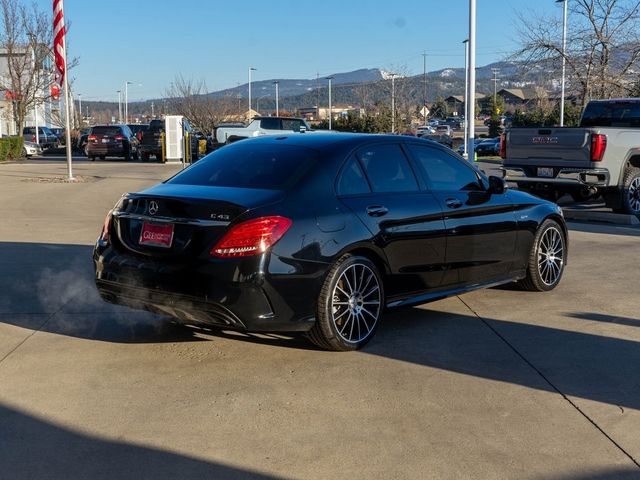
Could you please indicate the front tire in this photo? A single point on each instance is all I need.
(349, 305)
(547, 258)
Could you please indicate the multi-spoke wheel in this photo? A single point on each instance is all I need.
(547, 258)
(349, 305)
(632, 192)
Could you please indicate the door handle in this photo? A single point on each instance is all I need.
(453, 203)
(377, 211)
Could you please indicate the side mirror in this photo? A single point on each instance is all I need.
(497, 185)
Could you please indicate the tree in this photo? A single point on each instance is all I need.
(26, 38)
(190, 98)
(603, 46)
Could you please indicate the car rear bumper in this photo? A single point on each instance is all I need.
(226, 294)
(591, 177)
(105, 149)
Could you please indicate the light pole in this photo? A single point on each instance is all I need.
(330, 106)
(80, 106)
(126, 100)
(276, 83)
(393, 102)
(424, 84)
(466, 97)
(564, 59)
(119, 106)
(251, 69)
(472, 78)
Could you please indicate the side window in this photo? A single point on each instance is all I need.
(445, 172)
(293, 125)
(352, 181)
(270, 123)
(387, 168)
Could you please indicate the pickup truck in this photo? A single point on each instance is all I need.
(600, 157)
(261, 126)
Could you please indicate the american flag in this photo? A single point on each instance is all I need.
(58, 38)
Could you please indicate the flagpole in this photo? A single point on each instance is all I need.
(67, 123)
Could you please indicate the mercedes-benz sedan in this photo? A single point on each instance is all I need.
(321, 234)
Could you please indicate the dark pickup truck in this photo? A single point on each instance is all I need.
(600, 157)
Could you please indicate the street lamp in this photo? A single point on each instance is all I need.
(472, 77)
(564, 58)
(330, 105)
(251, 69)
(276, 83)
(466, 97)
(393, 101)
(80, 105)
(126, 100)
(119, 106)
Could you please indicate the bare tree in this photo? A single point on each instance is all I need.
(25, 40)
(190, 98)
(603, 45)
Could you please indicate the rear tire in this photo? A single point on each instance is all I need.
(546, 259)
(629, 194)
(349, 305)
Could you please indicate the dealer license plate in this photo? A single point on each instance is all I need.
(156, 235)
(545, 172)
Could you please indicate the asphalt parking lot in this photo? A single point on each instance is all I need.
(493, 384)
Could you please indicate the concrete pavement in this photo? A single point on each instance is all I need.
(495, 384)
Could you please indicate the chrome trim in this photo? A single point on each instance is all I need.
(571, 176)
(187, 221)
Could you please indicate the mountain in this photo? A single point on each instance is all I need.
(293, 87)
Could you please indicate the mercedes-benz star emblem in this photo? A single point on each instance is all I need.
(153, 207)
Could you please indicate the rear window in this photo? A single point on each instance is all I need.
(106, 131)
(156, 125)
(246, 165)
(621, 114)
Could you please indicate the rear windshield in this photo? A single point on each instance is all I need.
(621, 114)
(156, 125)
(106, 131)
(247, 165)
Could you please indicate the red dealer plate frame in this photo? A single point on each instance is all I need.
(156, 235)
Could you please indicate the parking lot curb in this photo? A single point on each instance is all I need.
(607, 217)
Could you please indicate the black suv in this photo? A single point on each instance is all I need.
(112, 141)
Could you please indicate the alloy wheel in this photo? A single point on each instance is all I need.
(551, 256)
(634, 195)
(356, 303)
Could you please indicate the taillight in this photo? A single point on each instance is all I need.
(92, 137)
(251, 237)
(598, 146)
(119, 137)
(33, 138)
(503, 145)
(104, 236)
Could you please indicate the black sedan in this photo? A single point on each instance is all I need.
(320, 233)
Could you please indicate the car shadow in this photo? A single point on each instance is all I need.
(50, 287)
(598, 317)
(34, 448)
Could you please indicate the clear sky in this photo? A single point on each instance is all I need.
(149, 42)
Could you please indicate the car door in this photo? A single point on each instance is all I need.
(379, 185)
(481, 226)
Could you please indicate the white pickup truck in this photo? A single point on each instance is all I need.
(262, 126)
(600, 157)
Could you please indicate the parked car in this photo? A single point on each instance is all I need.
(260, 126)
(488, 147)
(59, 132)
(30, 149)
(112, 141)
(424, 129)
(445, 140)
(461, 148)
(151, 143)
(454, 122)
(443, 129)
(46, 138)
(321, 233)
(434, 122)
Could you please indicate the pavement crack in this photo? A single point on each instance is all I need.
(23, 341)
(550, 383)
